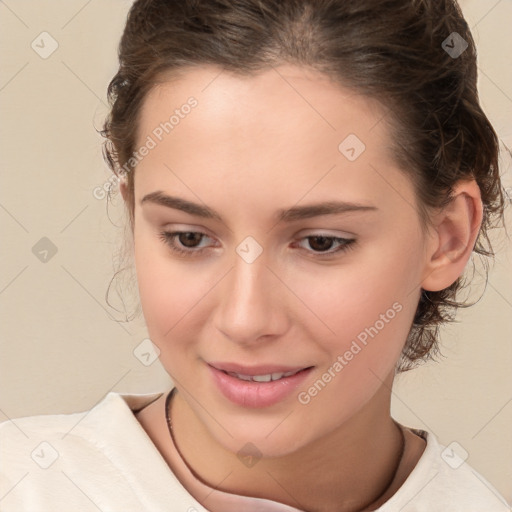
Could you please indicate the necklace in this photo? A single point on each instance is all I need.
(389, 484)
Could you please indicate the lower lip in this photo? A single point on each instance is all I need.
(257, 394)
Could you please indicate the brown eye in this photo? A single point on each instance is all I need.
(320, 243)
(184, 243)
(189, 238)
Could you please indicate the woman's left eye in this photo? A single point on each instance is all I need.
(321, 241)
(188, 239)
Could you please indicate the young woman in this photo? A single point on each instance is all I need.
(305, 182)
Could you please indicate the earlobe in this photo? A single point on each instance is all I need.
(455, 231)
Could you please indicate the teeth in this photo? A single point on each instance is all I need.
(243, 377)
(263, 378)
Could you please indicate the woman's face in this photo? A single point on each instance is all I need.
(264, 160)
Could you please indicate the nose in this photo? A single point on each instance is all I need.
(252, 302)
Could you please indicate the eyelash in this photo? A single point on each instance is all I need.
(168, 238)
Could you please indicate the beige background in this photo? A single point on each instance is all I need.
(62, 350)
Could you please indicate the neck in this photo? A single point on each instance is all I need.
(349, 470)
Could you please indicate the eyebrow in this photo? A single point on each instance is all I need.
(285, 215)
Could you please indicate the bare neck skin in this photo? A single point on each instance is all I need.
(341, 471)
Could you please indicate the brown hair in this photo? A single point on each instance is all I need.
(394, 51)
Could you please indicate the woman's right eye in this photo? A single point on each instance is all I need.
(185, 238)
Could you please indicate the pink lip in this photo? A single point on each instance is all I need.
(256, 394)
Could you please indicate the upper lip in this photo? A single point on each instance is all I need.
(256, 369)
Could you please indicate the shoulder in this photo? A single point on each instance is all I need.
(72, 428)
(100, 456)
(443, 480)
(36, 440)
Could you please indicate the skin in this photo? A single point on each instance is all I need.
(251, 147)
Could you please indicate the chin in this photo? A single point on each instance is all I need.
(269, 438)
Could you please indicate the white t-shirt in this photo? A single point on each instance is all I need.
(103, 460)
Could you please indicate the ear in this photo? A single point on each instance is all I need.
(453, 237)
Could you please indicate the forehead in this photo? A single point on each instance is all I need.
(269, 101)
(285, 127)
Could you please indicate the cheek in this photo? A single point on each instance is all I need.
(165, 292)
(367, 301)
(174, 301)
(370, 312)
(348, 300)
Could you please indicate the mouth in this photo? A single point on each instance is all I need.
(257, 386)
(260, 373)
(265, 377)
